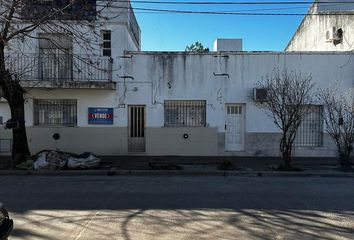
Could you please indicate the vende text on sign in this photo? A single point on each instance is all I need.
(100, 116)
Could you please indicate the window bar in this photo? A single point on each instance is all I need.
(142, 122)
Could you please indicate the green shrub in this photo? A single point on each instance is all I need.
(226, 165)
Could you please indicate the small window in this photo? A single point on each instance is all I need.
(1, 120)
(54, 112)
(106, 43)
(185, 113)
(310, 131)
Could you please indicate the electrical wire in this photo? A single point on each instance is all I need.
(229, 2)
(231, 12)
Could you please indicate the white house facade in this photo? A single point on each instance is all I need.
(327, 27)
(126, 101)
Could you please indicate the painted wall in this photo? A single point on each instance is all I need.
(311, 35)
(149, 78)
(182, 76)
(221, 78)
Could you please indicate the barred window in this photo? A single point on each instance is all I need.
(185, 113)
(310, 131)
(106, 43)
(55, 112)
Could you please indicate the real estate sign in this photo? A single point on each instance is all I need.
(102, 116)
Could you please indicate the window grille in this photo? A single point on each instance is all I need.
(106, 43)
(310, 131)
(62, 112)
(185, 113)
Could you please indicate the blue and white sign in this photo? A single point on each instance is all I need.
(103, 116)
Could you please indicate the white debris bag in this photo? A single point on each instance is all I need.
(84, 160)
(40, 162)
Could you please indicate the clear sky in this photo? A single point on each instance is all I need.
(172, 32)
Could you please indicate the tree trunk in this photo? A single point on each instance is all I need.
(344, 156)
(14, 94)
(20, 150)
(286, 155)
(286, 149)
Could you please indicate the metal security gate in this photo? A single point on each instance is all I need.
(136, 129)
(235, 127)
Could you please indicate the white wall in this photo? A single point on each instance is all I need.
(181, 76)
(191, 77)
(149, 78)
(311, 34)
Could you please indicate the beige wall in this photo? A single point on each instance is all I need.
(169, 141)
(113, 141)
(165, 141)
(101, 141)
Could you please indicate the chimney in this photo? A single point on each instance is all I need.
(228, 45)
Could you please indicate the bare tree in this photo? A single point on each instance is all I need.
(20, 22)
(287, 98)
(339, 119)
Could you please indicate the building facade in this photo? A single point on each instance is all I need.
(327, 27)
(125, 101)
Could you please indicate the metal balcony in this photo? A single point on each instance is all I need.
(58, 70)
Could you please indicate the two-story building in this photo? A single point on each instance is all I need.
(327, 27)
(121, 100)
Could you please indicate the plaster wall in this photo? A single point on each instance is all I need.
(222, 78)
(150, 78)
(311, 34)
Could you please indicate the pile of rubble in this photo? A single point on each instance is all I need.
(57, 160)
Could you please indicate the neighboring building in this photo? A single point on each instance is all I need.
(166, 103)
(328, 27)
(62, 76)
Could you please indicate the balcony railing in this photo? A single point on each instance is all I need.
(60, 67)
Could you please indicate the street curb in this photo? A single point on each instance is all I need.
(174, 173)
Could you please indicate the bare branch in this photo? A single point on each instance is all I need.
(288, 95)
(339, 119)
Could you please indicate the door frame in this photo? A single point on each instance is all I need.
(129, 128)
(243, 105)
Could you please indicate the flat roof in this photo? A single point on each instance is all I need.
(212, 53)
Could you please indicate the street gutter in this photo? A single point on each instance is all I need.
(176, 173)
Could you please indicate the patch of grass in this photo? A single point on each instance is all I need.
(226, 165)
(289, 169)
(27, 165)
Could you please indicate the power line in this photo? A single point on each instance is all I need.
(243, 10)
(232, 2)
(230, 13)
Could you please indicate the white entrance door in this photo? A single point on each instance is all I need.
(235, 127)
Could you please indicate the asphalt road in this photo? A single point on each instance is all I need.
(139, 208)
